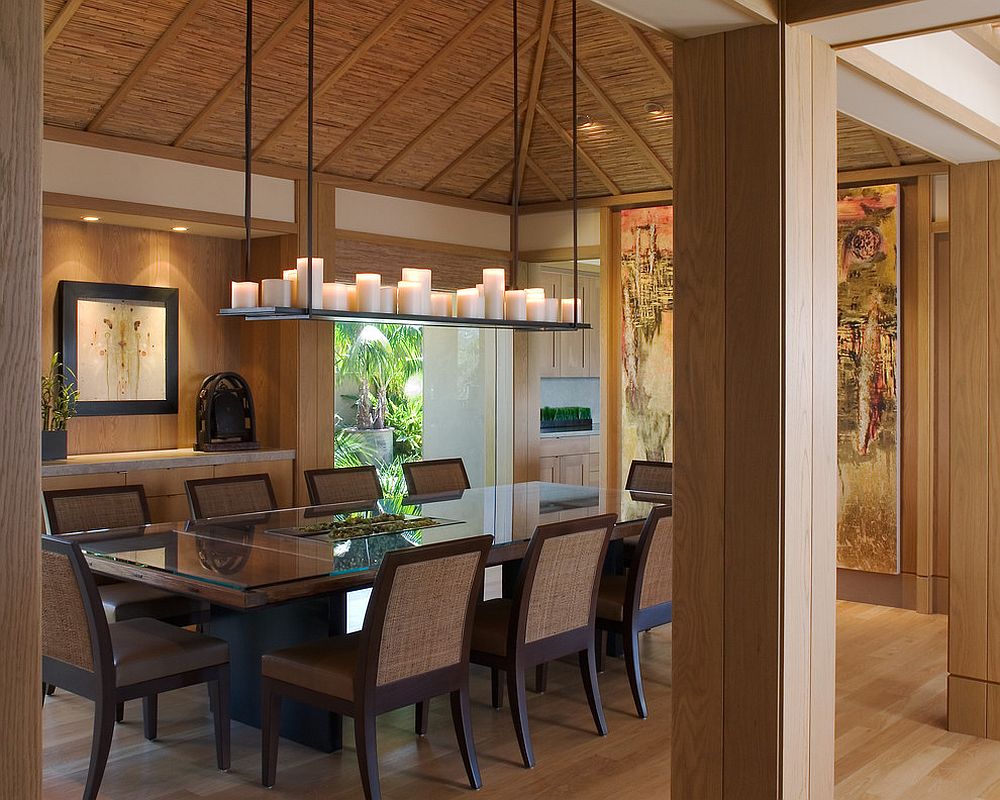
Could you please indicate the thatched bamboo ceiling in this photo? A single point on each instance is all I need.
(413, 93)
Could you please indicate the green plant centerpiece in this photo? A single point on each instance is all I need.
(59, 396)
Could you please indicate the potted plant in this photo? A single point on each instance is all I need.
(59, 397)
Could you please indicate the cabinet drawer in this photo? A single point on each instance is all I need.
(280, 472)
(166, 482)
(96, 481)
(172, 508)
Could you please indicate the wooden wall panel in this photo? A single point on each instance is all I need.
(990, 237)
(201, 268)
(942, 398)
(20, 481)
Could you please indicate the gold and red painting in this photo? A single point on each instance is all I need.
(868, 378)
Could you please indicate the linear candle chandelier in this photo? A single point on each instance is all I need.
(306, 297)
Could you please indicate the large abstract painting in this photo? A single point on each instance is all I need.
(120, 342)
(868, 378)
(647, 276)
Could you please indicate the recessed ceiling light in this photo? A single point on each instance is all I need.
(654, 109)
(89, 218)
(584, 121)
(179, 228)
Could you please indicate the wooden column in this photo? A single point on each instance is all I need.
(20, 422)
(755, 406)
(974, 457)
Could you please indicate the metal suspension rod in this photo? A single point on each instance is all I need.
(248, 138)
(309, 149)
(576, 203)
(515, 177)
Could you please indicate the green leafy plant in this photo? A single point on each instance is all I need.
(405, 415)
(350, 450)
(59, 396)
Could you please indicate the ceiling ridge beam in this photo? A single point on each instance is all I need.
(550, 184)
(474, 90)
(502, 123)
(623, 124)
(148, 60)
(470, 28)
(567, 137)
(644, 46)
(898, 80)
(338, 72)
(545, 28)
(492, 179)
(236, 78)
(60, 21)
(886, 146)
(985, 38)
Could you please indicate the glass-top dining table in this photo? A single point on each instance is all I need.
(281, 578)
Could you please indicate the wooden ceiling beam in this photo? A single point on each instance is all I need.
(60, 21)
(454, 108)
(887, 149)
(642, 44)
(985, 38)
(148, 60)
(538, 68)
(472, 148)
(550, 184)
(492, 179)
(415, 80)
(338, 72)
(567, 137)
(616, 115)
(235, 80)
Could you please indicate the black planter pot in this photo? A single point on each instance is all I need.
(53, 445)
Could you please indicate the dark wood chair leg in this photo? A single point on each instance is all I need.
(588, 670)
(270, 707)
(461, 714)
(104, 728)
(497, 684)
(635, 674)
(219, 692)
(50, 689)
(541, 678)
(119, 712)
(421, 717)
(149, 709)
(600, 644)
(519, 714)
(367, 746)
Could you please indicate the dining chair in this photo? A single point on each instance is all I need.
(228, 496)
(414, 645)
(343, 485)
(640, 600)
(649, 477)
(441, 476)
(74, 510)
(551, 615)
(110, 663)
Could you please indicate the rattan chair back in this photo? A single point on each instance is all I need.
(70, 510)
(344, 485)
(225, 497)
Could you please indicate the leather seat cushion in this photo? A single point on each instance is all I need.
(611, 597)
(125, 600)
(490, 630)
(326, 666)
(147, 649)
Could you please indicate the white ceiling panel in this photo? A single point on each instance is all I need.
(683, 18)
(903, 19)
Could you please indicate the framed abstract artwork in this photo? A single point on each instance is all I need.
(868, 378)
(121, 344)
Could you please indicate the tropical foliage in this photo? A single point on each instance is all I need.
(59, 396)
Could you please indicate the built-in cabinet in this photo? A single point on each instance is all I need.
(570, 354)
(574, 460)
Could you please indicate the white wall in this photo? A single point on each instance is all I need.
(113, 175)
(414, 219)
(555, 229)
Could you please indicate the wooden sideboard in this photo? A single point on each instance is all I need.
(162, 474)
(571, 459)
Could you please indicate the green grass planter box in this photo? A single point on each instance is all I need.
(568, 418)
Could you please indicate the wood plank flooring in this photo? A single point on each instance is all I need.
(891, 740)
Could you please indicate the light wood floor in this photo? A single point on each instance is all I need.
(891, 741)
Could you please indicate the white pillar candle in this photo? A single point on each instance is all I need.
(515, 304)
(334, 297)
(276, 292)
(470, 304)
(369, 291)
(292, 276)
(351, 293)
(551, 309)
(409, 297)
(481, 289)
(303, 282)
(422, 277)
(244, 294)
(494, 281)
(567, 306)
(388, 294)
(442, 304)
(535, 307)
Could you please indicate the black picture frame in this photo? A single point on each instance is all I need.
(70, 293)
